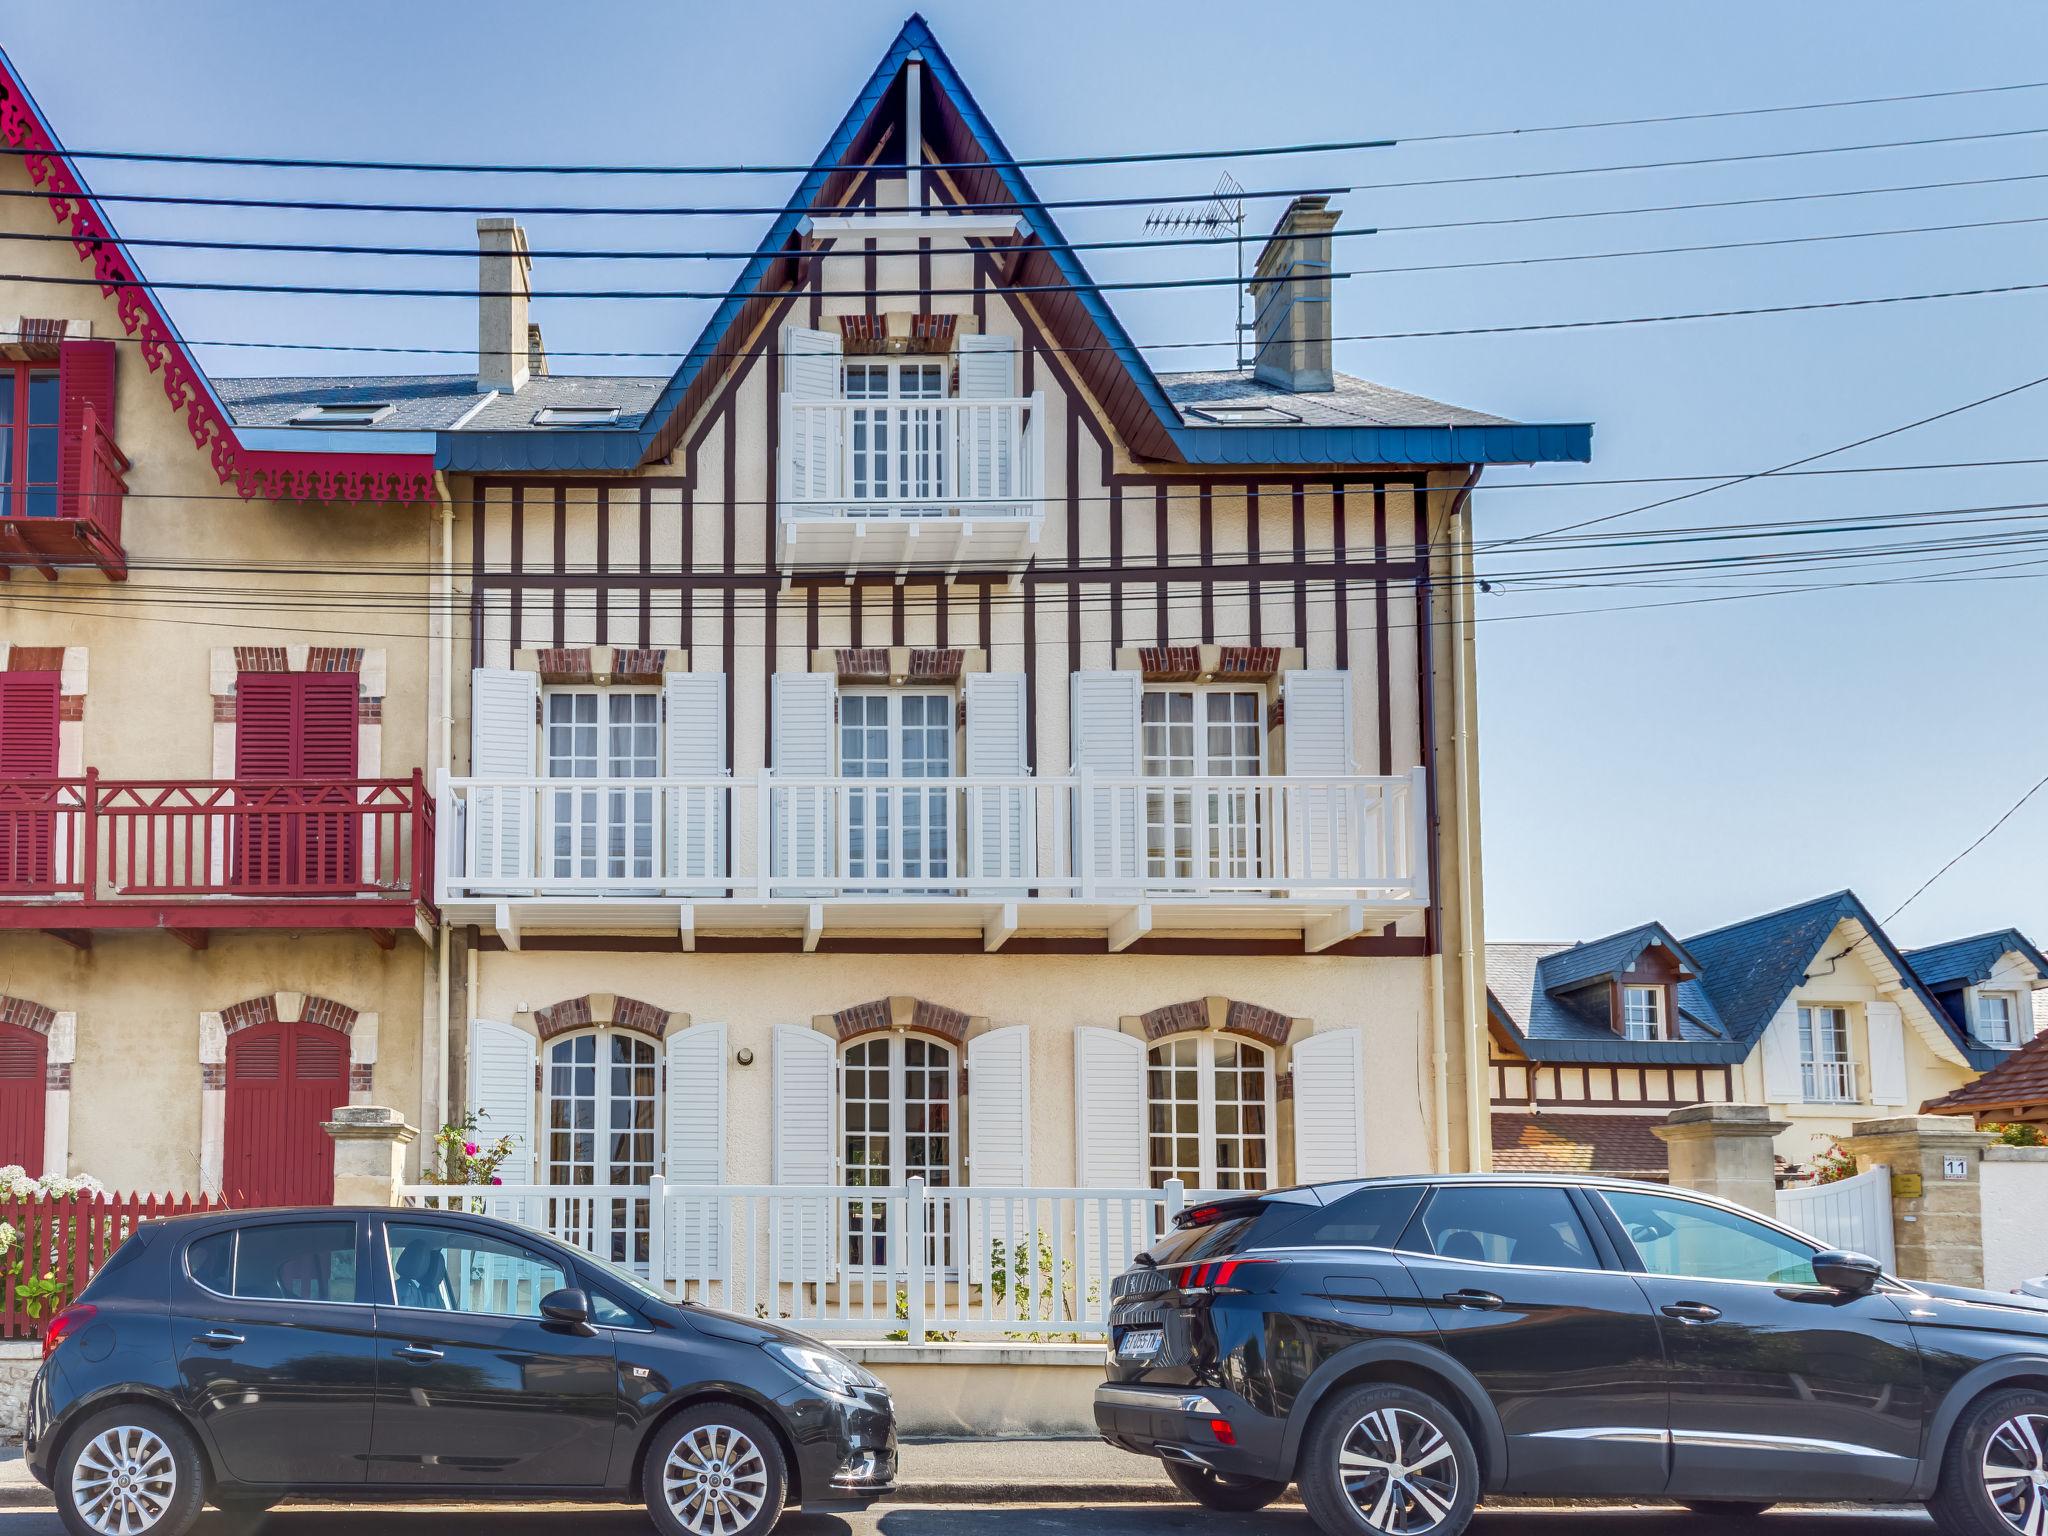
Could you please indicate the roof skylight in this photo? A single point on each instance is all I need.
(1242, 415)
(576, 416)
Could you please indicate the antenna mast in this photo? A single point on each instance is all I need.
(1223, 211)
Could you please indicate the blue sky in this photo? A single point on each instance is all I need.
(1692, 763)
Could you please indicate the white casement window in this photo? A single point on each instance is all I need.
(896, 827)
(897, 451)
(1209, 1113)
(1827, 1074)
(603, 1105)
(896, 1123)
(1997, 1018)
(602, 739)
(1197, 734)
(1642, 1012)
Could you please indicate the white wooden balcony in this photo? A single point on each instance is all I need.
(910, 485)
(1110, 858)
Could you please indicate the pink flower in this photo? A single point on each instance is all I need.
(469, 1149)
(497, 1181)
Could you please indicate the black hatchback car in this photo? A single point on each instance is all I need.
(1400, 1347)
(244, 1357)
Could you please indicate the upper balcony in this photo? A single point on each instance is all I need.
(190, 856)
(1112, 859)
(72, 517)
(910, 484)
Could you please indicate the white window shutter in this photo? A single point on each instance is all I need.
(1324, 831)
(1316, 709)
(1783, 1083)
(1105, 742)
(988, 367)
(1885, 1024)
(999, 1107)
(805, 706)
(1328, 1069)
(810, 437)
(1109, 1153)
(805, 1080)
(504, 741)
(693, 706)
(695, 1153)
(997, 813)
(502, 1065)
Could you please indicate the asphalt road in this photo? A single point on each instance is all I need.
(1019, 1520)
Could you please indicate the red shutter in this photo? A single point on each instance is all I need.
(85, 377)
(24, 1058)
(28, 750)
(295, 726)
(284, 1082)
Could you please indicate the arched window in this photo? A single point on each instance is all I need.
(603, 1107)
(1209, 1112)
(896, 1122)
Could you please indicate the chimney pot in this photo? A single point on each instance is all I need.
(1291, 291)
(505, 341)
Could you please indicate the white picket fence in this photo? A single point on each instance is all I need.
(1853, 1213)
(913, 1261)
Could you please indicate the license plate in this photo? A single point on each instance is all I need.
(1140, 1344)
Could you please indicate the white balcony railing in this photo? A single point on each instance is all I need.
(1082, 837)
(1828, 1082)
(904, 1260)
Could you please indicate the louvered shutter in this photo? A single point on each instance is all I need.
(24, 1058)
(1782, 1080)
(695, 1154)
(85, 382)
(28, 750)
(504, 714)
(285, 1080)
(502, 1063)
(988, 371)
(806, 715)
(999, 1146)
(988, 367)
(289, 727)
(1329, 1106)
(1884, 1022)
(997, 814)
(1109, 1150)
(1105, 742)
(804, 1080)
(693, 704)
(811, 428)
(1328, 835)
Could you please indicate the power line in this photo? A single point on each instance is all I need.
(2011, 811)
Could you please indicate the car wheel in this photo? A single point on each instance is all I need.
(715, 1470)
(1214, 1490)
(1390, 1460)
(1994, 1473)
(1724, 1509)
(130, 1471)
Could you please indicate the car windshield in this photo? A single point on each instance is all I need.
(629, 1281)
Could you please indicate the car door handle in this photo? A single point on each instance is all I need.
(220, 1338)
(1691, 1311)
(1477, 1301)
(416, 1352)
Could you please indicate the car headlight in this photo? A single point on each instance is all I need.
(822, 1368)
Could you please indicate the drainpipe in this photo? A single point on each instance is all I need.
(1464, 749)
(441, 626)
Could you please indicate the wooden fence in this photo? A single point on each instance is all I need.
(71, 1238)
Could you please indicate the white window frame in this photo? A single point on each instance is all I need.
(581, 1226)
(898, 792)
(2013, 1037)
(1826, 1077)
(1649, 1024)
(1208, 1173)
(593, 813)
(898, 1042)
(895, 460)
(1236, 838)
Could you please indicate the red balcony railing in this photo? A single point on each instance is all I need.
(128, 840)
(87, 527)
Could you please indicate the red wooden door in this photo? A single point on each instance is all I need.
(24, 1059)
(295, 726)
(28, 751)
(284, 1080)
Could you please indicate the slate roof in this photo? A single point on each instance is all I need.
(1965, 962)
(1353, 403)
(1618, 1146)
(434, 402)
(2020, 1081)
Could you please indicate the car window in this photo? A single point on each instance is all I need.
(449, 1269)
(609, 1314)
(279, 1261)
(1675, 1236)
(1365, 1218)
(1503, 1224)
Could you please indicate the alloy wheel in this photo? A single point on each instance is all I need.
(2016, 1473)
(715, 1481)
(1399, 1472)
(124, 1480)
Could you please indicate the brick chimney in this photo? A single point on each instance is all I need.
(504, 281)
(1291, 291)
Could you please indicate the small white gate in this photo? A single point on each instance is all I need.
(1851, 1213)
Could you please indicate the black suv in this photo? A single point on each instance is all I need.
(1400, 1347)
(245, 1357)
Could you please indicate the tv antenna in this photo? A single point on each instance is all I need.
(1224, 211)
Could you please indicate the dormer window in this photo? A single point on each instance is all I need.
(344, 413)
(1997, 1018)
(576, 416)
(1642, 1012)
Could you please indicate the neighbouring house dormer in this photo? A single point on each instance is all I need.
(1628, 983)
(1986, 985)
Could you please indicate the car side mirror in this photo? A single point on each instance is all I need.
(1853, 1274)
(568, 1306)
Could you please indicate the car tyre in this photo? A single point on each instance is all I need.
(1216, 1490)
(131, 1468)
(1725, 1509)
(714, 1470)
(1994, 1479)
(1386, 1460)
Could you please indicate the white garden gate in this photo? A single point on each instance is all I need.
(1851, 1213)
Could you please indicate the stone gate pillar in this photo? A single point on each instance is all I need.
(1937, 1193)
(369, 1153)
(1724, 1150)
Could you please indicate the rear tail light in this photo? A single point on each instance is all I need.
(1226, 1277)
(1224, 1434)
(66, 1323)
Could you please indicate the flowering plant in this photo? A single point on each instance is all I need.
(40, 1295)
(462, 1156)
(16, 1183)
(1833, 1164)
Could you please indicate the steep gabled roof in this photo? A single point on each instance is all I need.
(2018, 1082)
(1600, 959)
(1529, 996)
(1966, 962)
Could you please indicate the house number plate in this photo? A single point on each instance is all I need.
(1955, 1167)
